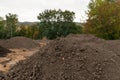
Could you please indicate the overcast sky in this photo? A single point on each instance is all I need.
(28, 10)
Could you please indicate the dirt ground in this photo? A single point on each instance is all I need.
(18, 43)
(4, 51)
(17, 49)
(76, 57)
(14, 57)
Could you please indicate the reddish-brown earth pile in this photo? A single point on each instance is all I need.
(76, 57)
(19, 42)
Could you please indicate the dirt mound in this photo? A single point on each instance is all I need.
(2, 76)
(76, 57)
(114, 44)
(3, 51)
(19, 42)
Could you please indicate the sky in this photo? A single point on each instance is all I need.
(28, 10)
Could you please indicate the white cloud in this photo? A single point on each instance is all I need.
(27, 10)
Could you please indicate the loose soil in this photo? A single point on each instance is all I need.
(16, 49)
(18, 43)
(3, 51)
(76, 57)
(14, 57)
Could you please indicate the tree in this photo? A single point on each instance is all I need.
(30, 31)
(104, 19)
(11, 24)
(1, 24)
(56, 23)
(2, 30)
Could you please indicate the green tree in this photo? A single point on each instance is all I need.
(56, 23)
(11, 24)
(30, 31)
(2, 30)
(22, 31)
(1, 24)
(104, 19)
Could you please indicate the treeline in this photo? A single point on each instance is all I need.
(53, 24)
(103, 21)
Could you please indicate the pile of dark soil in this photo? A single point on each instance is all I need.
(76, 57)
(4, 51)
(2, 76)
(114, 44)
(19, 42)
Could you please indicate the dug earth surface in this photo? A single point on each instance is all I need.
(14, 57)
